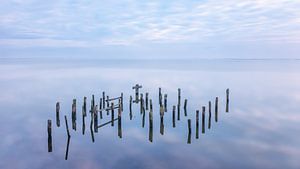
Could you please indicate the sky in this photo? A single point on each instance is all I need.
(150, 29)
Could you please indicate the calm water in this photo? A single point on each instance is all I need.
(260, 131)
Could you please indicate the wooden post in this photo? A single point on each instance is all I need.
(147, 100)
(178, 112)
(173, 116)
(150, 126)
(203, 119)
(159, 96)
(227, 100)
(197, 124)
(112, 114)
(165, 102)
(91, 128)
(179, 96)
(83, 121)
(141, 103)
(209, 114)
(103, 99)
(67, 149)
(143, 119)
(121, 102)
(162, 125)
(69, 136)
(67, 126)
(49, 136)
(189, 131)
(184, 107)
(95, 112)
(130, 108)
(57, 114)
(120, 120)
(84, 106)
(216, 109)
(151, 108)
(107, 104)
(74, 114)
(100, 108)
(93, 101)
(136, 87)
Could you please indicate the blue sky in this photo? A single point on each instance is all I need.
(150, 29)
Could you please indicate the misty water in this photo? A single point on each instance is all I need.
(261, 129)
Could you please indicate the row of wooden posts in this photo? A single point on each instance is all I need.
(107, 104)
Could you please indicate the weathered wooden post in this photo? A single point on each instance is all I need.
(216, 109)
(57, 114)
(178, 112)
(165, 102)
(159, 96)
(95, 112)
(130, 107)
(69, 136)
(184, 107)
(93, 101)
(150, 126)
(84, 106)
(179, 96)
(197, 124)
(91, 128)
(49, 136)
(227, 100)
(143, 118)
(107, 104)
(203, 119)
(162, 126)
(141, 103)
(83, 121)
(112, 114)
(189, 131)
(173, 116)
(122, 102)
(67, 149)
(147, 100)
(151, 108)
(136, 87)
(209, 114)
(103, 99)
(120, 120)
(74, 114)
(67, 126)
(100, 108)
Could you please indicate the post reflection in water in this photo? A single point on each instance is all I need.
(141, 104)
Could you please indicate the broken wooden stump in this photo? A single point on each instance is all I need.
(57, 114)
(203, 119)
(74, 114)
(197, 124)
(179, 96)
(227, 100)
(49, 129)
(107, 104)
(189, 132)
(159, 96)
(216, 109)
